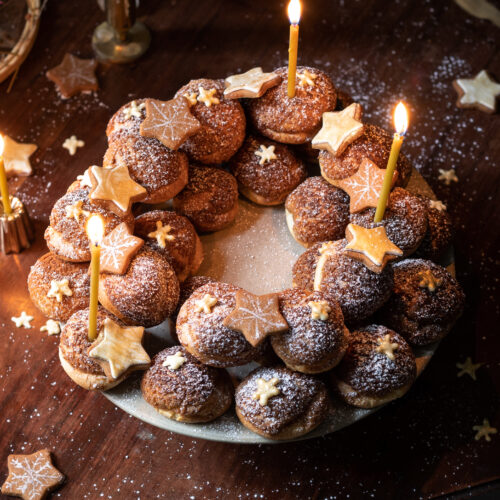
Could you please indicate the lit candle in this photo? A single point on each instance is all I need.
(95, 232)
(401, 125)
(294, 16)
(4, 187)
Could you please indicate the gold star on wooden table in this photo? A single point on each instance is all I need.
(468, 368)
(484, 430)
(162, 234)
(428, 280)
(254, 83)
(265, 154)
(192, 98)
(171, 122)
(205, 304)
(364, 186)
(320, 310)
(31, 477)
(207, 96)
(116, 186)
(52, 327)
(371, 246)
(447, 176)
(16, 157)
(306, 78)
(385, 346)
(117, 249)
(133, 109)
(76, 211)
(339, 129)
(24, 320)
(175, 361)
(266, 389)
(438, 205)
(479, 92)
(120, 349)
(256, 316)
(72, 144)
(74, 75)
(59, 289)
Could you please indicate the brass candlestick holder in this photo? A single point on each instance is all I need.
(120, 39)
(16, 230)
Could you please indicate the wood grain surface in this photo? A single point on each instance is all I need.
(422, 446)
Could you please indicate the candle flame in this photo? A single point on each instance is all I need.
(294, 10)
(95, 229)
(401, 119)
(2, 144)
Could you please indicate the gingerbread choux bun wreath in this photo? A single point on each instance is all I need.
(364, 295)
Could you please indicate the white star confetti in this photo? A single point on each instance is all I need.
(162, 234)
(447, 176)
(52, 327)
(484, 430)
(72, 144)
(265, 154)
(387, 347)
(133, 110)
(174, 362)
(438, 205)
(319, 310)
(468, 368)
(207, 96)
(266, 389)
(205, 304)
(306, 78)
(23, 321)
(59, 289)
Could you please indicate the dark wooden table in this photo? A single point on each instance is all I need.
(419, 447)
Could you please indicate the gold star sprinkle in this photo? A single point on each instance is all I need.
(84, 179)
(438, 205)
(319, 310)
(75, 211)
(22, 321)
(192, 98)
(484, 430)
(306, 78)
(447, 176)
(469, 368)
(266, 389)
(265, 154)
(479, 92)
(174, 362)
(339, 129)
(207, 96)
(387, 347)
(254, 83)
(72, 144)
(134, 110)
(205, 304)
(51, 327)
(162, 234)
(16, 157)
(428, 280)
(59, 289)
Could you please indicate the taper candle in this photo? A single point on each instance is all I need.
(4, 187)
(294, 16)
(95, 232)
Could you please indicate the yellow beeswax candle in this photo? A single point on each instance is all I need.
(4, 187)
(95, 232)
(294, 16)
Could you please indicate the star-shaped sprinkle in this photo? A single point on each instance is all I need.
(447, 176)
(364, 186)
(84, 179)
(52, 327)
(171, 122)
(117, 249)
(306, 78)
(31, 477)
(76, 211)
(22, 321)
(16, 157)
(116, 186)
(256, 316)
(468, 368)
(175, 361)
(254, 83)
(266, 389)
(385, 346)
(371, 246)
(72, 144)
(162, 234)
(120, 349)
(265, 154)
(205, 304)
(438, 205)
(59, 289)
(479, 92)
(207, 96)
(191, 98)
(428, 280)
(133, 109)
(339, 129)
(484, 430)
(320, 310)
(74, 75)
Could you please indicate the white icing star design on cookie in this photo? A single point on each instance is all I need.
(72, 144)
(52, 327)
(484, 430)
(205, 304)
(175, 361)
(162, 234)
(22, 321)
(207, 96)
(468, 368)
(59, 289)
(76, 211)
(447, 176)
(479, 92)
(16, 157)
(438, 205)
(265, 154)
(306, 78)
(319, 310)
(266, 389)
(387, 347)
(133, 110)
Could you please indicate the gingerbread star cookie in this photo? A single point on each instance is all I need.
(119, 349)
(115, 186)
(339, 129)
(118, 248)
(74, 75)
(256, 316)
(254, 83)
(16, 157)
(364, 186)
(479, 92)
(171, 122)
(31, 477)
(371, 246)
